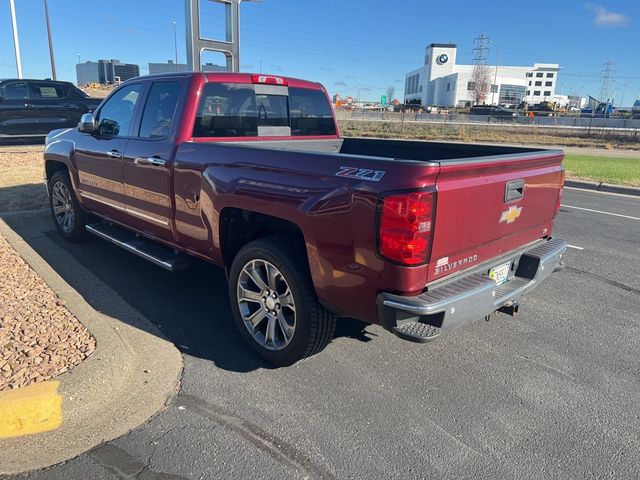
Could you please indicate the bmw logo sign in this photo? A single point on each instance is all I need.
(444, 58)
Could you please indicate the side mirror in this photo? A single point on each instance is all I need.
(87, 123)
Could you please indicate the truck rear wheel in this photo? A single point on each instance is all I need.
(67, 213)
(274, 304)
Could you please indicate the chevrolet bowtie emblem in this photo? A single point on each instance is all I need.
(510, 215)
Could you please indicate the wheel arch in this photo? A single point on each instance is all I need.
(53, 166)
(239, 227)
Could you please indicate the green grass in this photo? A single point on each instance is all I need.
(624, 171)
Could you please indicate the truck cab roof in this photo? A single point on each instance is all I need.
(233, 77)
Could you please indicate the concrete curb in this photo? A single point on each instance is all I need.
(602, 187)
(128, 378)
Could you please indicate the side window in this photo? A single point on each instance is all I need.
(115, 116)
(16, 91)
(159, 110)
(46, 91)
(226, 110)
(310, 113)
(74, 92)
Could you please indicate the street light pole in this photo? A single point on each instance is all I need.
(175, 44)
(16, 43)
(495, 75)
(53, 62)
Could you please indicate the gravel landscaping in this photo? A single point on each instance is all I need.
(21, 180)
(39, 337)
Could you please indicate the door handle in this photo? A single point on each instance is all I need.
(67, 105)
(156, 162)
(114, 154)
(514, 190)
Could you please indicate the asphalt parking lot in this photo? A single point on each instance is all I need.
(551, 393)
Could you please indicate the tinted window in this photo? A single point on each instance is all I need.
(16, 91)
(159, 110)
(115, 116)
(310, 113)
(226, 110)
(74, 92)
(273, 110)
(46, 91)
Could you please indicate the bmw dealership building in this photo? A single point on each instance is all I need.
(443, 82)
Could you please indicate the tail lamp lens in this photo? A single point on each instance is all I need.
(406, 227)
(562, 179)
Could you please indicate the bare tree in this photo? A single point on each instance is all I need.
(481, 83)
(390, 91)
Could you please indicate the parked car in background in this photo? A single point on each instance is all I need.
(493, 111)
(32, 108)
(636, 109)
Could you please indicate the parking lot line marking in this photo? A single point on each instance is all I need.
(600, 211)
(635, 197)
(573, 246)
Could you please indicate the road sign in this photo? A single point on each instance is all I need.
(383, 100)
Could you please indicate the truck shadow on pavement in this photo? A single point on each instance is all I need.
(190, 307)
(23, 197)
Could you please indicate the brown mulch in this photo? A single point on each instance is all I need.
(39, 337)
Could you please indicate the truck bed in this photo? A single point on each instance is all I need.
(410, 150)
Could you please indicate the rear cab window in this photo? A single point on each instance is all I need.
(257, 110)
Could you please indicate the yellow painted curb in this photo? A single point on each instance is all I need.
(33, 409)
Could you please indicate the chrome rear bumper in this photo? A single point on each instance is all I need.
(473, 296)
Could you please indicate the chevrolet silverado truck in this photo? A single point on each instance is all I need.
(249, 172)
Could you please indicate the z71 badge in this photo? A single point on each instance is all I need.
(361, 173)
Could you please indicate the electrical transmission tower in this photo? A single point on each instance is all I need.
(480, 78)
(607, 79)
(480, 49)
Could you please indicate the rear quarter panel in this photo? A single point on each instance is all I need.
(337, 215)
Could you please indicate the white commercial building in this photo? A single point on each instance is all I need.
(443, 82)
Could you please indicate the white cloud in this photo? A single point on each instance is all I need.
(607, 18)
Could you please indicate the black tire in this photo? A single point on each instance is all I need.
(314, 325)
(75, 231)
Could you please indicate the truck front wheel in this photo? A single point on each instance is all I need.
(274, 304)
(67, 213)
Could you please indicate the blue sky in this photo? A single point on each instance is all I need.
(342, 43)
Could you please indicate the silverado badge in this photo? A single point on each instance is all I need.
(510, 215)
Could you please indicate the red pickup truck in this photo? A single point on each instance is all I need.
(249, 172)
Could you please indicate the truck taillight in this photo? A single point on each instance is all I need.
(406, 227)
(562, 179)
(269, 80)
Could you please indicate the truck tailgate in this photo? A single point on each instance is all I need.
(490, 206)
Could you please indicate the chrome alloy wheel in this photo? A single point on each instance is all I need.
(63, 207)
(266, 304)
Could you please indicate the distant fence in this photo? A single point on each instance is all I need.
(580, 123)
